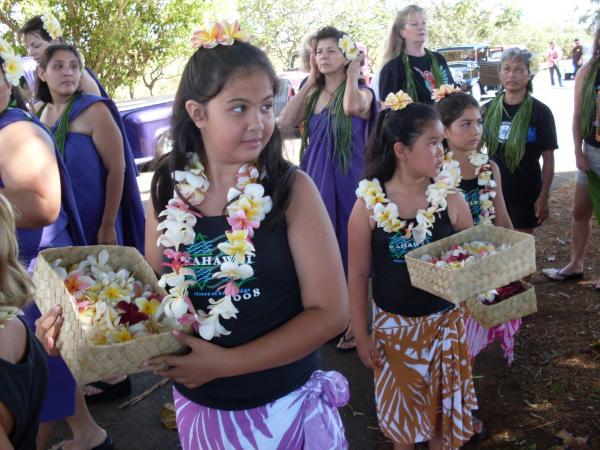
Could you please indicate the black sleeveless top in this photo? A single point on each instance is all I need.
(591, 138)
(392, 290)
(267, 300)
(470, 190)
(23, 392)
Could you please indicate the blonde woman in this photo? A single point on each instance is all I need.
(23, 371)
(407, 64)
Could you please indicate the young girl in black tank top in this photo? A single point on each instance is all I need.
(482, 188)
(253, 264)
(415, 334)
(23, 373)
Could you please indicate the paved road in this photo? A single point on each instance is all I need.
(139, 427)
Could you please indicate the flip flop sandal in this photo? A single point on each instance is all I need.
(106, 445)
(346, 340)
(109, 391)
(478, 437)
(557, 275)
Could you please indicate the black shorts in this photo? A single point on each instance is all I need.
(522, 213)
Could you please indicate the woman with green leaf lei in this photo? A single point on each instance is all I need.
(407, 64)
(338, 111)
(586, 137)
(518, 129)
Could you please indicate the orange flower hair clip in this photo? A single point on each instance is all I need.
(444, 91)
(221, 33)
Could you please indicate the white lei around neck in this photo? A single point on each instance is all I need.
(483, 171)
(385, 212)
(247, 209)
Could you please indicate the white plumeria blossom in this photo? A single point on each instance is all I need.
(174, 304)
(60, 271)
(8, 313)
(370, 191)
(478, 159)
(210, 326)
(386, 217)
(223, 307)
(235, 271)
(173, 279)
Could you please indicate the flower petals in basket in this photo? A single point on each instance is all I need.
(512, 259)
(500, 305)
(111, 301)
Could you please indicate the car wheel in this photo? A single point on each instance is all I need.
(475, 91)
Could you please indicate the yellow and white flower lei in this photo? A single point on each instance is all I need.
(247, 209)
(385, 213)
(483, 170)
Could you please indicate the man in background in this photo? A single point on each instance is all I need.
(577, 56)
(552, 57)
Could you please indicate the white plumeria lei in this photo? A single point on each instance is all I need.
(385, 213)
(247, 208)
(483, 170)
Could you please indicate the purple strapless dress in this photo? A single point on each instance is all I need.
(336, 187)
(88, 177)
(66, 230)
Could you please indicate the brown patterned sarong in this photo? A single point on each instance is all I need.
(425, 382)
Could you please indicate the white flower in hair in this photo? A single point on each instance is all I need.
(52, 25)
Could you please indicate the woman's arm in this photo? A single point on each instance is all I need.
(324, 298)
(152, 252)
(580, 158)
(293, 113)
(30, 175)
(109, 143)
(87, 84)
(502, 217)
(541, 204)
(357, 102)
(459, 212)
(359, 267)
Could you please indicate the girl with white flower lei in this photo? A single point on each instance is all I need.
(41, 31)
(482, 188)
(404, 203)
(252, 262)
(480, 176)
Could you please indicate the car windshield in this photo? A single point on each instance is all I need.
(460, 54)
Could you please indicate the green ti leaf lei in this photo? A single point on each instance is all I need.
(338, 123)
(588, 100)
(514, 146)
(410, 84)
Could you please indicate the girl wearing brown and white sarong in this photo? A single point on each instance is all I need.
(418, 351)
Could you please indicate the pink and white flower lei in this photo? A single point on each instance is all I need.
(385, 213)
(247, 208)
(483, 170)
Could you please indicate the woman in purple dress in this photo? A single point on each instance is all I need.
(90, 137)
(338, 110)
(34, 180)
(41, 31)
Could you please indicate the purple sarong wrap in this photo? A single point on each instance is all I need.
(306, 418)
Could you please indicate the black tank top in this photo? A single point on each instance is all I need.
(23, 391)
(266, 301)
(392, 290)
(591, 138)
(470, 190)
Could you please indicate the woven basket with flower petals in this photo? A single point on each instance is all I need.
(515, 307)
(89, 362)
(457, 285)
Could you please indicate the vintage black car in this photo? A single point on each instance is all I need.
(474, 67)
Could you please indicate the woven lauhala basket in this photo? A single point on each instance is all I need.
(89, 362)
(499, 269)
(515, 307)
